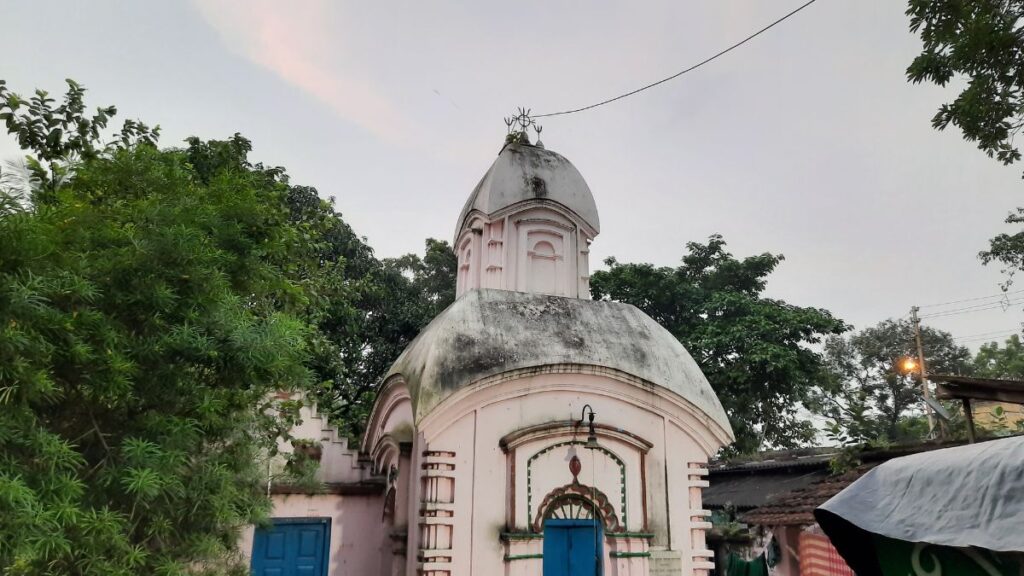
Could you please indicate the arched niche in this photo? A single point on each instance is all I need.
(577, 501)
(546, 259)
(541, 459)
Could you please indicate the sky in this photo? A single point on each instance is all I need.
(808, 141)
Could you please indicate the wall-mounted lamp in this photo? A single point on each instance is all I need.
(592, 435)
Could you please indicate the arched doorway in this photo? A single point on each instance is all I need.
(573, 537)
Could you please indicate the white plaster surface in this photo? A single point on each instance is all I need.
(488, 332)
(513, 177)
(357, 538)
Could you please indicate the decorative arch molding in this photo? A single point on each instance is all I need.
(393, 393)
(549, 223)
(387, 451)
(564, 428)
(524, 206)
(589, 495)
(702, 429)
(607, 452)
(392, 491)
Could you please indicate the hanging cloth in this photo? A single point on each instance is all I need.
(740, 567)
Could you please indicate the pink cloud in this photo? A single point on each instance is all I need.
(295, 42)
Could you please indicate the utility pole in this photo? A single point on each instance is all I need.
(923, 369)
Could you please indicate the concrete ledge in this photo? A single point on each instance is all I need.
(364, 488)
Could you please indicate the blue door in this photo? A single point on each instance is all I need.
(291, 547)
(572, 547)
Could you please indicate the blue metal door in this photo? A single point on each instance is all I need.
(291, 547)
(572, 547)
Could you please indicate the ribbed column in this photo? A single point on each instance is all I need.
(437, 514)
(703, 559)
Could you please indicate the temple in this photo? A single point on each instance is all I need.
(527, 430)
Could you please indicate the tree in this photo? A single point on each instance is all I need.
(151, 301)
(147, 313)
(393, 301)
(981, 42)
(754, 350)
(364, 311)
(869, 396)
(59, 136)
(1007, 249)
(993, 361)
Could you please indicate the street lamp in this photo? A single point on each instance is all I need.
(909, 365)
(592, 435)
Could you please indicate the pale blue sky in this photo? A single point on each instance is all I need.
(808, 141)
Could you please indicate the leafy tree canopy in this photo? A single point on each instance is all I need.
(868, 397)
(980, 42)
(151, 301)
(754, 350)
(994, 361)
(391, 303)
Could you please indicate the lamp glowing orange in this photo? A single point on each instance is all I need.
(909, 365)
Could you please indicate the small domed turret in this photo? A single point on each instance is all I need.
(527, 226)
(525, 173)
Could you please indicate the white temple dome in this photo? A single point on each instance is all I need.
(524, 173)
(490, 332)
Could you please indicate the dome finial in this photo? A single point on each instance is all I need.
(518, 126)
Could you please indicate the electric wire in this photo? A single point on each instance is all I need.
(1000, 295)
(680, 73)
(994, 334)
(979, 340)
(986, 338)
(994, 303)
(971, 309)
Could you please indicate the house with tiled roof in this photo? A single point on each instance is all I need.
(766, 502)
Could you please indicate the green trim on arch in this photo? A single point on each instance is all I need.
(521, 536)
(612, 455)
(614, 554)
(514, 557)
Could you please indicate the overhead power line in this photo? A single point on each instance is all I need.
(982, 340)
(984, 335)
(681, 72)
(1000, 295)
(1004, 304)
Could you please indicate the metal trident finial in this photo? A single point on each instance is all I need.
(518, 126)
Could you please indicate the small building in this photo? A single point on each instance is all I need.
(769, 502)
(957, 510)
(527, 430)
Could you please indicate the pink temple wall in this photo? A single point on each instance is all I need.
(662, 442)
(357, 535)
(542, 250)
(472, 423)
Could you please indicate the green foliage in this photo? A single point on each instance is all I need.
(754, 350)
(148, 309)
(991, 361)
(1007, 249)
(867, 397)
(302, 465)
(58, 136)
(1006, 362)
(977, 44)
(392, 302)
(363, 310)
(980, 42)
